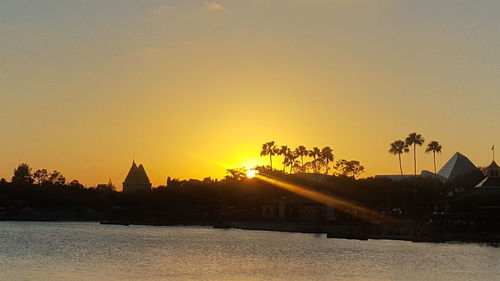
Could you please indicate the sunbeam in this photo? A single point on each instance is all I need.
(342, 205)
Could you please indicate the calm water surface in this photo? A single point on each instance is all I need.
(90, 251)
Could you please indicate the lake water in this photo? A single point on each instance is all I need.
(90, 251)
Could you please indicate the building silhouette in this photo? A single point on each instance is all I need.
(458, 165)
(477, 210)
(137, 179)
(492, 179)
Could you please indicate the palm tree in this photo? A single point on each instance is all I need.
(291, 159)
(434, 147)
(314, 153)
(327, 156)
(301, 151)
(414, 139)
(283, 151)
(269, 148)
(399, 147)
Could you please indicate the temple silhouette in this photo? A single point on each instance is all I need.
(137, 179)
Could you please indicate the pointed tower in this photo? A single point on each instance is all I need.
(493, 170)
(137, 179)
(492, 176)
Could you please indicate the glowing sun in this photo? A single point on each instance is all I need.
(251, 173)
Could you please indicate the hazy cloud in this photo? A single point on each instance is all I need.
(214, 7)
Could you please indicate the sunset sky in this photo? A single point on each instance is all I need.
(195, 87)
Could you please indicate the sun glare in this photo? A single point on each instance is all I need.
(251, 173)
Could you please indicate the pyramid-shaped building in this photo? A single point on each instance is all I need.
(456, 166)
(137, 179)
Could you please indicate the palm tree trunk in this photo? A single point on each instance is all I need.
(415, 158)
(400, 166)
(314, 164)
(302, 160)
(435, 171)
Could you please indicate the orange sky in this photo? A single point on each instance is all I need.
(187, 85)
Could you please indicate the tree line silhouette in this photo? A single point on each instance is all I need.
(319, 160)
(24, 175)
(197, 201)
(233, 197)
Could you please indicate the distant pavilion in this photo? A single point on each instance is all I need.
(475, 210)
(492, 179)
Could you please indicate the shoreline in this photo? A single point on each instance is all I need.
(351, 232)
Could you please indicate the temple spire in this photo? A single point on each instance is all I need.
(136, 179)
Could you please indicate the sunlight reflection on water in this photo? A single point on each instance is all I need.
(90, 251)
